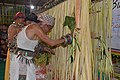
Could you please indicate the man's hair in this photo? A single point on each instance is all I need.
(32, 17)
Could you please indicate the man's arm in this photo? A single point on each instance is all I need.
(11, 33)
(45, 38)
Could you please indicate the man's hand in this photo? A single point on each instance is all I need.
(68, 40)
(48, 50)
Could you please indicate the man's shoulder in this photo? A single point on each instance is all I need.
(13, 25)
(33, 25)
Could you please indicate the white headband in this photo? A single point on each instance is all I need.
(48, 18)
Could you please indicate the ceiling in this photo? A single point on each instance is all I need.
(26, 2)
(42, 4)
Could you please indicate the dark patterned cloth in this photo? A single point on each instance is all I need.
(13, 45)
(22, 77)
(39, 48)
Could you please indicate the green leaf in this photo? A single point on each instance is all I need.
(70, 22)
(77, 43)
(71, 27)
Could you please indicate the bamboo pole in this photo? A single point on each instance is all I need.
(77, 13)
(100, 24)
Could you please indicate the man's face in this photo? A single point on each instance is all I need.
(47, 28)
(21, 20)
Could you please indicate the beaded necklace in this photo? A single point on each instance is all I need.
(18, 25)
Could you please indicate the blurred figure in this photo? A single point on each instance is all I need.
(16, 26)
(3, 41)
(13, 30)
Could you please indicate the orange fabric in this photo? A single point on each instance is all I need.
(7, 69)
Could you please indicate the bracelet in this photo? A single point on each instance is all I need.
(65, 40)
(40, 49)
(70, 37)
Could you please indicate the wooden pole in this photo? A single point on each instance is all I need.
(77, 14)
